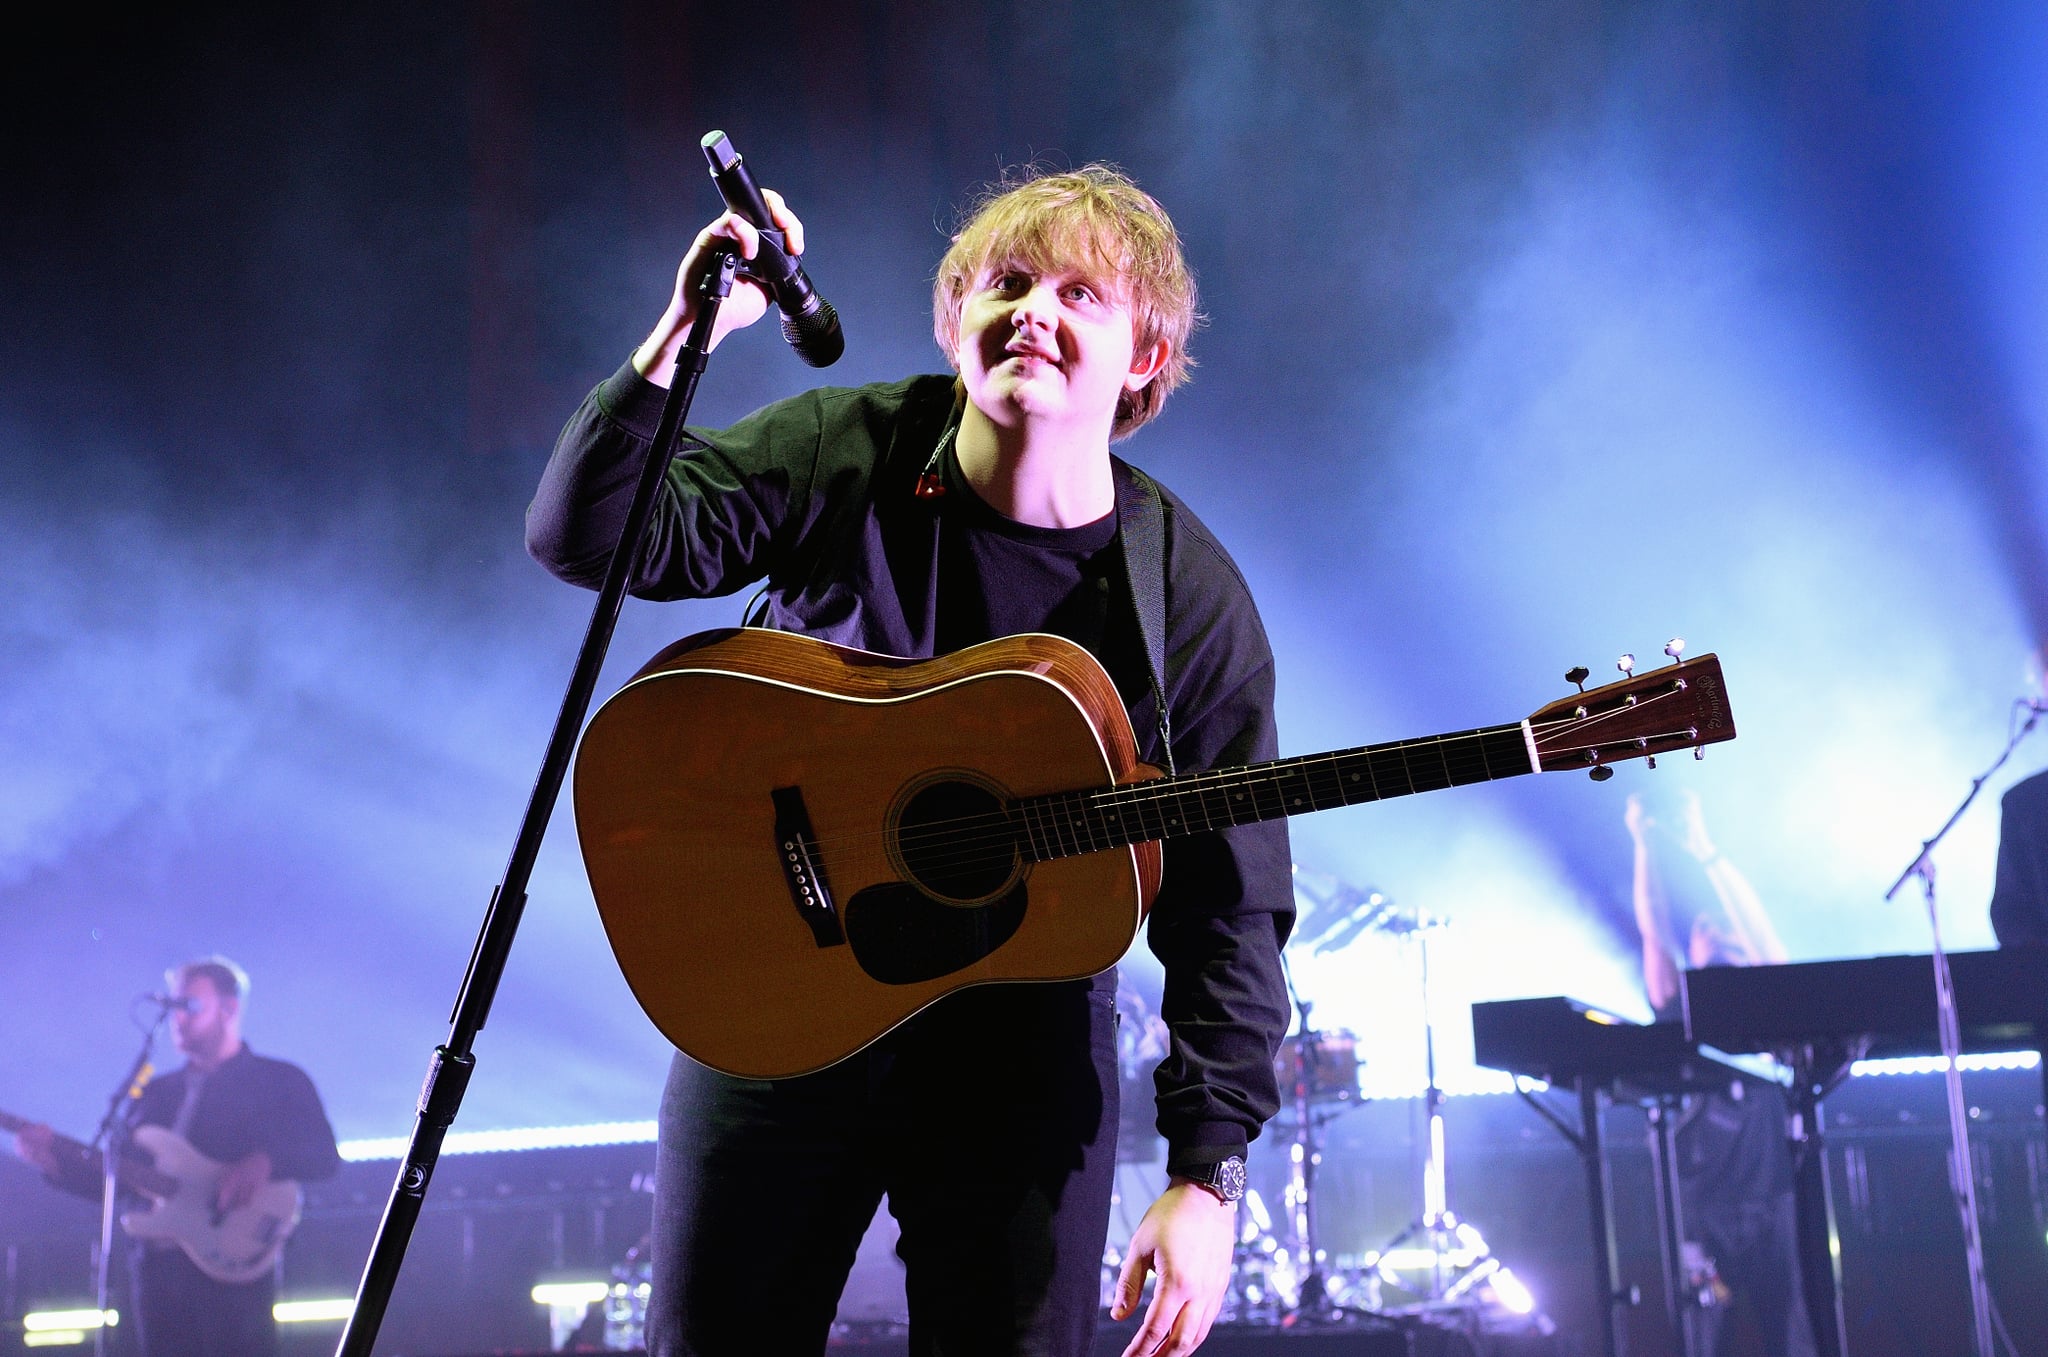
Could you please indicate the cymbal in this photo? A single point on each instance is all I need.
(1339, 913)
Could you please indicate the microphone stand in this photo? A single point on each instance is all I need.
(1963, 1179)
(111, 1140)
(449, 1069)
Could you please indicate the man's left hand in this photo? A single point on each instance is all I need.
(240, 1180)
(1187, 1238)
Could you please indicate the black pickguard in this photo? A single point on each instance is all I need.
(901, 936)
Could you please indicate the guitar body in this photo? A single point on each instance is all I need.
(732, 754)
(795, 846)
(239, 1246)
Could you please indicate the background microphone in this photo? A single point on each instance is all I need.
(171, 1003)
(808, 321)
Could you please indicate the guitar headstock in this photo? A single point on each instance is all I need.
(1683, 705)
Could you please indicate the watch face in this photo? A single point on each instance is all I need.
(1229, 1179)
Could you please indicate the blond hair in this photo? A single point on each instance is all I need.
(1092, 218)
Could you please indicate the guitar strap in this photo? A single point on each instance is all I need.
(1141, 531)
(195, 1084)
(1141, 525)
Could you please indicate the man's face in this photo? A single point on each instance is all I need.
(209, 1025)
(1052, 347)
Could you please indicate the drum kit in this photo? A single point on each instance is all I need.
(1283, 1274)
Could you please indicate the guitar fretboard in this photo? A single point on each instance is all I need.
(136, 1170)
(1068, 823)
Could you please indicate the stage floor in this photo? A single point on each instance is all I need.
(1453, 1335)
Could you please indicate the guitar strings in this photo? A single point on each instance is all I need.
(1092, 819)
(1104, 802)
(1006, 827)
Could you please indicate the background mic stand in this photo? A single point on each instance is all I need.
(449, 1069)
(1962, 1176)
(111, 1140)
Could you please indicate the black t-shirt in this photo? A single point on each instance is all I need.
(999, 577)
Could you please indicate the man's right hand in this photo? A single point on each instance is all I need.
(38, 1145)
(656, 358)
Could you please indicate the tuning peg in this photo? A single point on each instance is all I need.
(1699, 752)
(1675, 648)
(1653, 760)
(1601, 773)
(1578, 674)
(1627, 665)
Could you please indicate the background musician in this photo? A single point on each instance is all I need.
(259, 1117)
(2019, 896)
(1695, 908)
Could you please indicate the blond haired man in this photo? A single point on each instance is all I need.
(914, 518)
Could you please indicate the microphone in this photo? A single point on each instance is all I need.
(808, 321)
(171, 1003)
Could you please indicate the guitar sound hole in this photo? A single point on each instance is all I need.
(954, 840)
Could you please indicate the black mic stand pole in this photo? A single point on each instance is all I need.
(452, 1063)
(111, 1140)
(1963, 1178)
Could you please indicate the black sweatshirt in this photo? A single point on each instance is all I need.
(247, 1103)
(817, 495)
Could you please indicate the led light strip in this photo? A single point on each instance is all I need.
(492, 1142)
(1935, 1064)
(1455, 1084)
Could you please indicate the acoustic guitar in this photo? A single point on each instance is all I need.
(228, 1246)
(795, 846)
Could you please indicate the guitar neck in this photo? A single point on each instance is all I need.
(1068, 823)
(136, 1170)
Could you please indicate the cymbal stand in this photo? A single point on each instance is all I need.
(1446, 1235)
(1313, 1300)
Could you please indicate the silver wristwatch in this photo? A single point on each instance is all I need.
(1225, 1177)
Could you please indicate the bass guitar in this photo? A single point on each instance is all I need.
(795, 846)
(228, 1246)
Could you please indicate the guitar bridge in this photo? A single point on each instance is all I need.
(796, 847)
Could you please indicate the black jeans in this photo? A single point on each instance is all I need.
(989, 1121)
(1756, 1254)
(182, 1312)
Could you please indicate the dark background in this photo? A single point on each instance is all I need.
(1537, 333)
